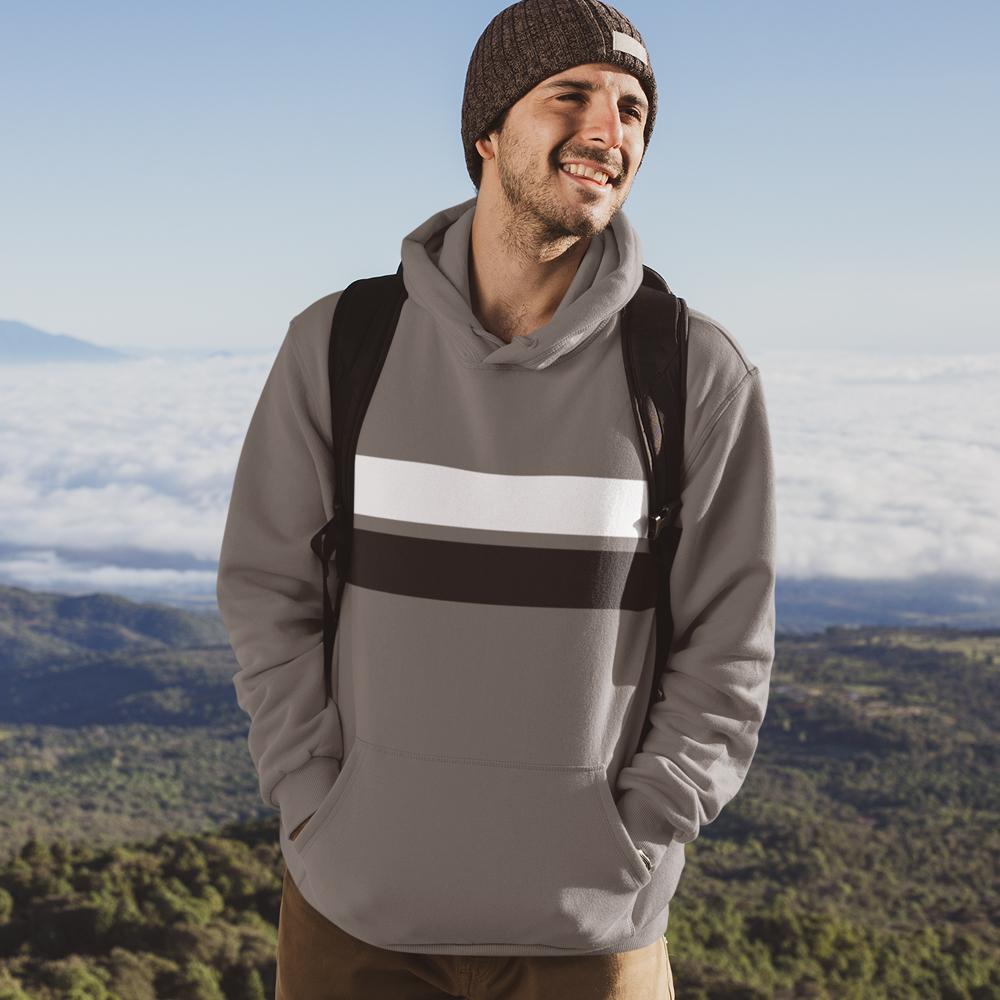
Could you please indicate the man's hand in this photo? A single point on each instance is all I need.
(295, 832)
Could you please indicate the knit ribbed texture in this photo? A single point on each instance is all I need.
(532, 40)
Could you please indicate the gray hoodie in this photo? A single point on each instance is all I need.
(478, 786)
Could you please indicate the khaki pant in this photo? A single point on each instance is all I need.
(319, 961)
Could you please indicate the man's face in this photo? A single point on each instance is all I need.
(599, 119)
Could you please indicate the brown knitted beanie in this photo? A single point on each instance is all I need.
(532, 40)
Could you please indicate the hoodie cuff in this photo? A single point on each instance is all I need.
(649, 831)
(300, 792)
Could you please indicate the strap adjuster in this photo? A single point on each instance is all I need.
(666, 516)
(318, 543)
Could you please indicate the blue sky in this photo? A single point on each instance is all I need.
(190, 175)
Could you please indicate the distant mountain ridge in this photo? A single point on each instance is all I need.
(20, 342)
(933, 600)
(39, 627)
(23, 343)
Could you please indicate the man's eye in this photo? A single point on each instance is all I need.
(636, 114)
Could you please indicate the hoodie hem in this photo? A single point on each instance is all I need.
(646, 934)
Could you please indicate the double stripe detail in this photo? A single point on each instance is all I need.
(591, 551)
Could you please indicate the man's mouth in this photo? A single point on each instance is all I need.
(586, 181)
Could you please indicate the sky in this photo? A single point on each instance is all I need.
(190, 176)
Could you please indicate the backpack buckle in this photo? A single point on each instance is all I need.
(665, 517)
(318, 541)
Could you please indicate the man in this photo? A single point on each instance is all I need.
(474, 815)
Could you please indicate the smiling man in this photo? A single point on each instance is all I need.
(555, 170)
(486, 801)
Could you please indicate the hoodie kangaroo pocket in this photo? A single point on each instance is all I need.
(420, 850)
(328, 804)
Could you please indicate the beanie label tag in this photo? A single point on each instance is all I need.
(626, 43)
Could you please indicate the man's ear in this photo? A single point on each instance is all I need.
(485, 146)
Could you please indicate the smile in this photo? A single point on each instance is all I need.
(586, 181)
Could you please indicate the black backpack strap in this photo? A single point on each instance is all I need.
(363, 326)
(654, 349)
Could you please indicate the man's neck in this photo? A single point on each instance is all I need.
(516, 282)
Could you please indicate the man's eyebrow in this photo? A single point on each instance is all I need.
(591, 87)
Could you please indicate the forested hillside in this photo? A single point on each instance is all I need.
(858, 862)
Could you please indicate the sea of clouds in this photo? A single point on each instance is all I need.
(116, 477)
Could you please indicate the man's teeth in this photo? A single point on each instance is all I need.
(575, 168)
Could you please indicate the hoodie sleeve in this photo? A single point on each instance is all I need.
(715, 685)
(270, 592)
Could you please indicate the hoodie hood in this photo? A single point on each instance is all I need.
(435, 258)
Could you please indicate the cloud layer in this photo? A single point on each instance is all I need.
(888, 467)
(116, 477)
